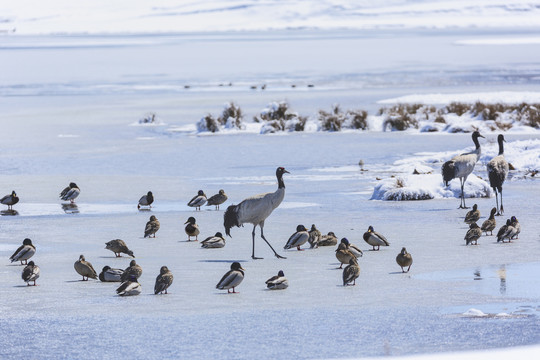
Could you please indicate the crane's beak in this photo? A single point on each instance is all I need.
(285, 171)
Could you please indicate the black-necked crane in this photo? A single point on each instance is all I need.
(461, 167)
(497, 169)
(254, 210)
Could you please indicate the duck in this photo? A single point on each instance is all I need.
(217, 199)
(118, 246)
(502, 230)
(192, 229)
(85, 269)
(146, 200)
(232, 278)
(314, 237)
(152, 226)
(373, 238)
(109, 274)
(30, 273)
(509, 232)
(329, 239)
(351, 272)
(212, 242)
(404, 259)
(355, 250)
(516, 225)
(133, 269)
(299, 238)
(343, 255)
(198, 200)
(129, 287)
(473, 234)
(490, 223)
(24, 252)
(10, 200)
(277, 282)
(163, 280)
(473, 215)
(70, 193)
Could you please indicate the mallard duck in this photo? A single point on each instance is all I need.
(85, 269)
(10, 200)
(163, 280)
(502, 230)
(355, 250)
(192, 229)
(70, 193)
(130, 287)
(216, 241)
(373, 238)
(152, 226)
(198, 200)
(343, 254)
(30, 273)
(277, 282)
(232, 278)
(217, 199)
(404, 259)
(109, 274)
(133, 269)
(516, 225)
(328, 240)
(299, 238)
(509, 232)
(118, 246)
(146, 200)
(351, 272)
(473, 234)
(473, 215)
(491, 223)
(24, 252)
(314, 237)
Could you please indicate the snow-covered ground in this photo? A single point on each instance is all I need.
(101, 16)
(79, 77)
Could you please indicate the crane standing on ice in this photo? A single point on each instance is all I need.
(497, 169)
(461, 167)
(255, 210)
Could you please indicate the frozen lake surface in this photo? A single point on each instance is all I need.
(69, 104)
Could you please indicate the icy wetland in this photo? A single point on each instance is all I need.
(71, 107)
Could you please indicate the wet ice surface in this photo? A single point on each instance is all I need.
(89, 139)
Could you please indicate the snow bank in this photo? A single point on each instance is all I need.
(419, 177)
(504, 97)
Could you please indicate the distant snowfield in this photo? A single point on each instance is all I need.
(101, 16)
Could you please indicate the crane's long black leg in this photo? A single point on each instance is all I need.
(253, 244)
(275, 253)
(502, 210)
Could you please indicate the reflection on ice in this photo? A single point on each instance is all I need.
(9, 212)
(509, 280)
(70, 208)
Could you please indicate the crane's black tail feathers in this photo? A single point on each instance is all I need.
(230, 219)
(448, 171)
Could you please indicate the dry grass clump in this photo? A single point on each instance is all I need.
(277, 117)
(337, 119)
(230, 118)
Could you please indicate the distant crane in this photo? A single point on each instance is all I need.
(461, 167)
(497, 169)
(255, 210)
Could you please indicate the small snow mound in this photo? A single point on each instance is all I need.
(475, 313)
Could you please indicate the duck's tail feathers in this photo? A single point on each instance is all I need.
(230, 219)
(448, 171)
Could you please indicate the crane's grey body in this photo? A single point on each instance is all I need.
(461, 167)
(497, 169)
(254, 210)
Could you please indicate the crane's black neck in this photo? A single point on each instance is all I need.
(281, 184)
(501, 146)
(476, 142)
